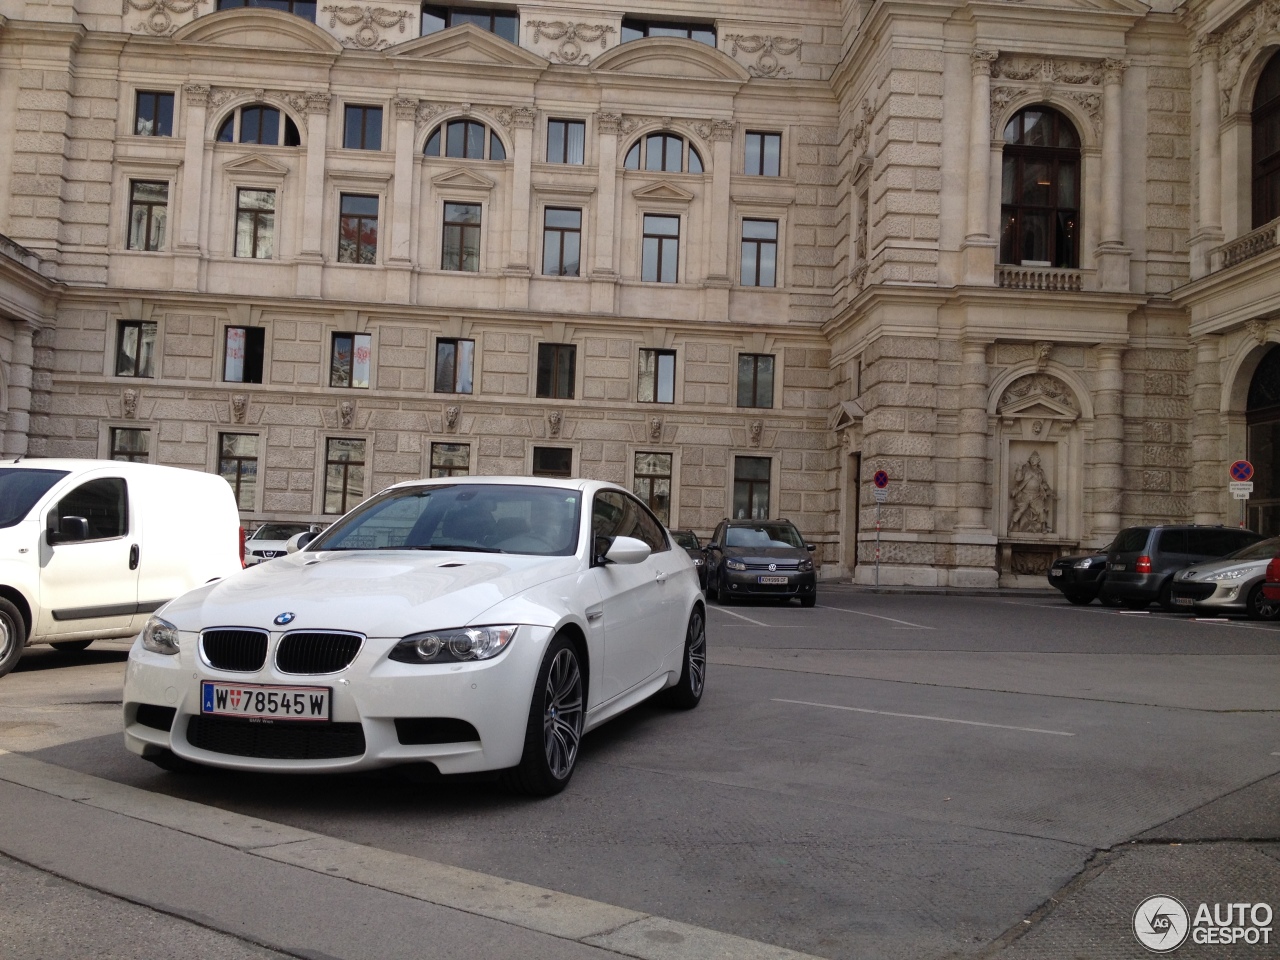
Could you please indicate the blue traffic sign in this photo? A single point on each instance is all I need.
(881, 479)
(1241, 471)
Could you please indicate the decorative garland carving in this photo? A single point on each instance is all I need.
(300, 104)
(1238, 41)
(1051, 77)
(1044, 384)
(367, 21)
(159, 21)
(767, 65)
(427, 112)
(572, 37)
(1048, 70)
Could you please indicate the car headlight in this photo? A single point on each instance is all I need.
(805, 566)
(454, 646)
(1085, 564)
(160, 636)
(1234, 574)
(697, 561)
(735, 565)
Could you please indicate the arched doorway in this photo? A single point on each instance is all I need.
(1262, 415)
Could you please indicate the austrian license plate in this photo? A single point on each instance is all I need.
(774, 580)
(1116, 566)
(1055, 573)
(1183, 601)
(262, 702)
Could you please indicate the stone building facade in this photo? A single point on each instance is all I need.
(1008, 253)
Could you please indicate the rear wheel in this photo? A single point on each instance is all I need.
(1259, 607)
(13, 636)
(1079, 599)
(693, 677)
(71, 646)
(554, 731)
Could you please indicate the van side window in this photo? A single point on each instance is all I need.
(1132, 540)
(104, 503)
(1174, 541)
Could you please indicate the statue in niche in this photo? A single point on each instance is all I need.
(1032, 498)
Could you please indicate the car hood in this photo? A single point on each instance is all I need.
(1206, 568)
(382, 594)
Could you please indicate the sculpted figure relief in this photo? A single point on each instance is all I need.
(1032, 499)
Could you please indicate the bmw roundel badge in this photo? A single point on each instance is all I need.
(284, 619)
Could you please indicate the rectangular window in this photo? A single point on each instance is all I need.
(751, 488)
(299, 8)
(561, 242)
(358, 229)
(343, 474)
(566, 141)
(129, 444)
(653, 483)
(764, 155)
(349, 366)
(635, 29)
(661, 254)
(552, 462)
(450, 459)
(556, 370)
(238, 465)
(461, 243)
(755, 380)
(362, 128)
(657, 380)
(148, 211)
(243, 354)
(455, 361)
(153, 114)
(135, 349)
(759, 253)
(255, 223)
(503, 23)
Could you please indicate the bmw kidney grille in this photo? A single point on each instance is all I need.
(243, 651)
(315, 652)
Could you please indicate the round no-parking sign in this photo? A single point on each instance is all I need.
(881, 479)
(1241, 471)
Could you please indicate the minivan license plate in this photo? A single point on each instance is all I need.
(774, 580)
(1116, 566)
(262, 702)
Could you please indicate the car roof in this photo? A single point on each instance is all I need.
(555, 483)
(73, 465)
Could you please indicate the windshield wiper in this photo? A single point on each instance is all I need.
(460, 547)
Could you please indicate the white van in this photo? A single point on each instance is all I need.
(90, 548)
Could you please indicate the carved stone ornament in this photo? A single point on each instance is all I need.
(770, 50)
(1113, 70)
(1030, 562)
(159, 20)
(1043, 349)
(1002, 96)
(346, 413)
(368, 23)
(1043, 384)
(754, 429)
(608, 122)
(1239, 41)
(299, 104)
(1257, 329)
(406, 108)
(427, 112)
(522, 117)
(981, 61)
(1049, 70)
(655, 428)
(131, 404)
(1032, 496)
(239, 405)
(553, 423)
(573, 39)
(451, 417)
(197, 93)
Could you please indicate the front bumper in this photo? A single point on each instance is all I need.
(746, 583)
(1072, 581)
(1212, 595)
(493, 696)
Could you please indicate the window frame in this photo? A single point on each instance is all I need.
(640, 147)
(760, 170)
(561, 233)
(286, 125)
(360, 219)
(759, 244)
(450, 9)
(119, 454)
(446, 470)
(273, 5)
(364, 109)
(533, 460)
(353, 361)
(345, 492)
(1264, 171)
(256, 216)
(554, 379)
(151, 219)
(149, 373)
(755, 380)
(644, 26)
(463, 230)
(222, 457)
(157, 99)
(658, 355)
(439, 137)
(1014, 215)
(457, 354)
(669, 476)
(661, 240)
(246, 362)
(751, 485)
(566, 122)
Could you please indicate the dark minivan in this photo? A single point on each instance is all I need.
(1142, 560)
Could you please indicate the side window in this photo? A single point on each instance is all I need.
(647, 528)
(1174, 541)
(104, 503)
(618, 515)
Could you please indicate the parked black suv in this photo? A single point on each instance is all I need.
(760, 558)
(1079, 577)
(1142, 560)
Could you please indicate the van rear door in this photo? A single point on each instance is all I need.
(90, 587)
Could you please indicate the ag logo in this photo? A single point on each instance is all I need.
(284, 619)
(1161, 924)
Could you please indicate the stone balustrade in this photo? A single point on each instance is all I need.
(1247, 247)
(1039, 278)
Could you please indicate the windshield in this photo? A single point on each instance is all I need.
(279, 531)
(686, 539)
(21, 488)
(496, 518)
(764, 535)
(1263, 550)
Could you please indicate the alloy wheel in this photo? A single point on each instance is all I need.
(562, 714)
(697, 653)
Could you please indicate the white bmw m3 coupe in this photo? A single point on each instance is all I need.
(475, 624)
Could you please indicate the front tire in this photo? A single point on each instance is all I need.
(13, 636)
(1259, 607)
(71, 646)
(554, 731)
(723, 596)
(687, 693)
(810, 601)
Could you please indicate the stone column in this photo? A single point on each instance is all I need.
(522, 119)
(310, 268)
(17, 432)
(971, 447)
(1112, 256)
(1108, 445)
(718, 278)
(1208, 470)
(186, 267)
(1209, 234)
(399, 264)
(603, 275)
(979, 249)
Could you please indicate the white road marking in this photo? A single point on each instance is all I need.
(742, 617)
(918, 716)
(876, 616)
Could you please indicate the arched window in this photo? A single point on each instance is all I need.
(1040, 190)
(664, 152)
(465, 140)
(1266, 144)
(259, 125)
(1263, 419)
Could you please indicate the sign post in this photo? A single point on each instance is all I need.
(1241, 484)
(881, 493)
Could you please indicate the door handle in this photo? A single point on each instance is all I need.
(134, 554)
(661, 577)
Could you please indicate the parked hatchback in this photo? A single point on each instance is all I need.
(1143, 560)
(1079, 577)
(1231, 584)
(760, 558)
(271, 539)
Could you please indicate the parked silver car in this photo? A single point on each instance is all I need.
(1230, 584)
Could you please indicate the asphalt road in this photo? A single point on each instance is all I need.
(887, 776)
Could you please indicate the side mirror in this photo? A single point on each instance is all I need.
(298, 541)
(69, 529)
(811, 547)
(628, 550)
